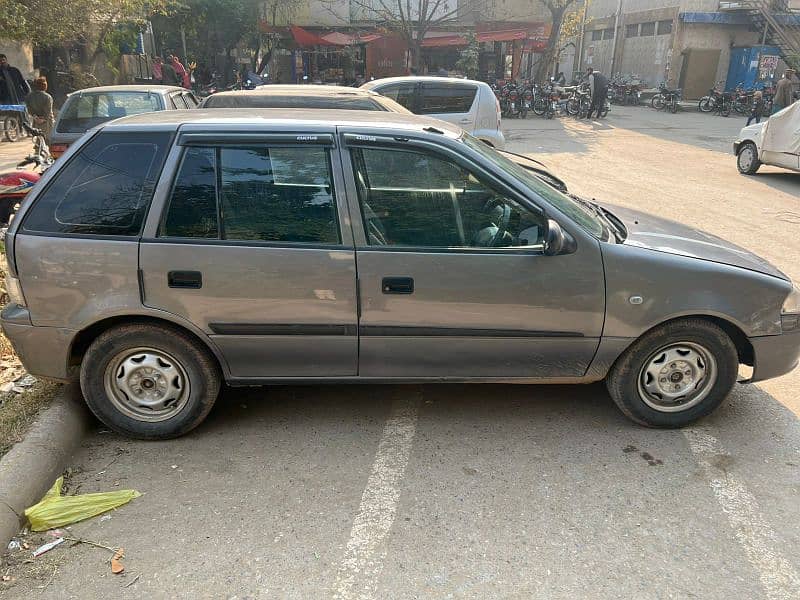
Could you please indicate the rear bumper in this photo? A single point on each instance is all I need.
(775, 355)
(44, 351)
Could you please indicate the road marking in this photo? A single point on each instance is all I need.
(378, 502)
(778, 576)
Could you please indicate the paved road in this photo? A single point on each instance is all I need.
(481, 491)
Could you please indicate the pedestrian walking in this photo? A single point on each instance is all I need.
(757, 108)
(180, 70)
(168, 74)
(158, 70)
(13, 87)
(783, 92)
(598, 87)
(40, 106)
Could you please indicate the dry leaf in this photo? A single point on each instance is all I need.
(116, 565)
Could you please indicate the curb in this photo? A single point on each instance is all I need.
(31, 466)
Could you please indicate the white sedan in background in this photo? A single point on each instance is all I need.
(775, 141)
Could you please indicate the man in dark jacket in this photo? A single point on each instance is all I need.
(13, 87)
(783, 92)
(598, 86)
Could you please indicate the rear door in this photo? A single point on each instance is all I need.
(251, 248)
(452, 102)
(402, 92)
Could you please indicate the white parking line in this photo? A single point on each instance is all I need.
(778, 576)
(378, 502)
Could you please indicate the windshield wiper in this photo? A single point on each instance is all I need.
(603, 215)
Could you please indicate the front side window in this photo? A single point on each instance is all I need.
(254, 193)
(444, 99)
(105, 189)
(418, 199)
(402, 93)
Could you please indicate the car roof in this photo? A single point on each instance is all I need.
(282, 117)
(162, 89)
(301, 90)
(433, 78)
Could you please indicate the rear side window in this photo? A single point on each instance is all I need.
(443, 99)
(105, 189)
(402, 93)
(266, 194)
(85, 111)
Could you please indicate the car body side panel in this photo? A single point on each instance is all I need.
(672, 286)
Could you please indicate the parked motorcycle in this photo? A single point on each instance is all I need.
(15, 185)
(667, 99)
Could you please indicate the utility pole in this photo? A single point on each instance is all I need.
(578, 64)
(617, 33)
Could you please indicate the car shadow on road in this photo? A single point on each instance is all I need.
(781, 180)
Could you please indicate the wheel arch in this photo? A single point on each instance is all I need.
(84, 338)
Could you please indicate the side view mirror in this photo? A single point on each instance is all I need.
(557, 241)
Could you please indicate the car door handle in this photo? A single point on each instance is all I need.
(185, 279)
(397, 285)
(465, 121)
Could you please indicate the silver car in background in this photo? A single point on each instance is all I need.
(170, 252)
(469, 104)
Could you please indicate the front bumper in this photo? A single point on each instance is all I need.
(44, 351)
(736, 146)
(775, 355)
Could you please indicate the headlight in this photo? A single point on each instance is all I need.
(14, 291)
(791, 305)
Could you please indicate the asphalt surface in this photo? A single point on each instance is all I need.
(477, 491)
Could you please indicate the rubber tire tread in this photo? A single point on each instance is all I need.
(622, 379)
(201, 368)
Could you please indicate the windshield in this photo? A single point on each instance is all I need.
(580, 213)
(84, 111)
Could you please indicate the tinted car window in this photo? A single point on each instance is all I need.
(277, 194)
(105, 189)
(82, 112)
(192, 209)
(402, 93)
(299, 101)
(421, 200)
(443, 99)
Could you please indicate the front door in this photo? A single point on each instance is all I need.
(250, 248)
(452, 276)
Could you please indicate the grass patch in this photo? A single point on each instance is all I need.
(18, 411)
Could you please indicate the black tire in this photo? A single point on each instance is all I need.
(705, 105)
(573, 107)
(673, 106)
(747, 159)
(539, 106)
(201, 370)
(624, 379)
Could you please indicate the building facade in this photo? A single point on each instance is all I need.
(683, 43)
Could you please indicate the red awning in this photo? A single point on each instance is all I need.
(444, 40)
(306, 38)
(502, 36)
(535, 46)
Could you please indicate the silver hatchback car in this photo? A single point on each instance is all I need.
(168, 253)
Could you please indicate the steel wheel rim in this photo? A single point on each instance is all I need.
(746, 158)
(677, 377)
(147, 384)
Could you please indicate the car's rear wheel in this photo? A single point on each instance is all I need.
(150, 382)
(747, 160)
(674, 374)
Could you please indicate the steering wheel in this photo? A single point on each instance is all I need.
(500, 216)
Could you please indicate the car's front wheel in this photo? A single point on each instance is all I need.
(149, 382)
(747, 160)
(674, 374)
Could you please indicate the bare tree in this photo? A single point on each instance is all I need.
(560, 14)
(413, 19)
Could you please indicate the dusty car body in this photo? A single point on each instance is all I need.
(775, 141)
(343, 246)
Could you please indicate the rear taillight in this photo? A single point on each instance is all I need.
(58, 149)
(14, 290)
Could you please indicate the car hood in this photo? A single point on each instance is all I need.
(752, 132)
(663, 235)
